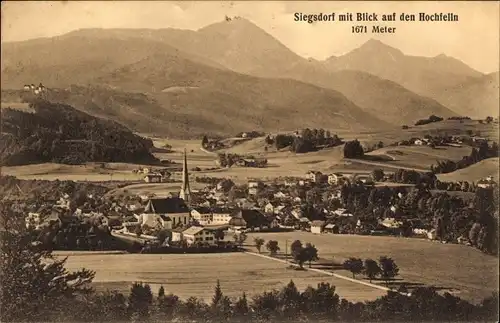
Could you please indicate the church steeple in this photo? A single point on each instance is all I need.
(185, 192)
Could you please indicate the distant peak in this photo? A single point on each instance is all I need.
(233, 22)
(375, 46)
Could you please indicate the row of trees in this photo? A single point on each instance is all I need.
(300, 253)
(386, 268)
(308, 140)
(431, 119)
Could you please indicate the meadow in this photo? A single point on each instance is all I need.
(189, 275)
(280, 163)
(461, 270)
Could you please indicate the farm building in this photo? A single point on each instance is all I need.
(331, 228)
(198, 234)
(153, 178)
(488, 182)
(317, 226)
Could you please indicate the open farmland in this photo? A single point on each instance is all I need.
(196, 274)
(280, 163)
(459, 269)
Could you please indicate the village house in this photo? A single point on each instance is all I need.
(487, 182)
(280, 196)
(317, 226)
(33, 220)
(153, 178)
(304, 223)
(331, 228)
(314, 176)
(336, 179)
(365, 179)
(220, 218)
(342, 213)
(269, 208)
(152, 220)
(248, 219)
(253, 187)
(419, 142)
(196, 234)
(203, 215)
(224, 185)
(280, 209)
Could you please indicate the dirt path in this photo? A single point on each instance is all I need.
(322, 272)
(360, 161)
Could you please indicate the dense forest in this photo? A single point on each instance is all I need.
(61, 134)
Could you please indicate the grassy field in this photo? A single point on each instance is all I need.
(196, 274)
(487, 167)
(280, 163)
(462, 270)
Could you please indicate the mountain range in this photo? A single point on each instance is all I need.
(233, 76)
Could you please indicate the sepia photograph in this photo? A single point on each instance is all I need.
(249, 161)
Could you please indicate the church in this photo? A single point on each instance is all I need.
(170, 212)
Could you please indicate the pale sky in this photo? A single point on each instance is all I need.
(474, 39)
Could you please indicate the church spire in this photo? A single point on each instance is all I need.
(185, 192)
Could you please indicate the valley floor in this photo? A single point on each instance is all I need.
(458, 269)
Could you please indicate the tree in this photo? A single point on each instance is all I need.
(272, 246)
(204, 141)
(161, 292)
(139, 300)
(388, 269)
(290, 299)
(377, 174)
(353, 149)
(138, 231)
(31, 277)
(241, 306)
(474, 233)
(372, 270)
(217, 298)
(301, 256)
(240, 238)
(354, 265)
(259, 242)
(311, 253)
(218, 235)
(488, 119)
(295, 247)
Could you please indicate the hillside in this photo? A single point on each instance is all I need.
(478, 97)
(226, 102)
(237, 45)
(59, 133)
(473, 173)
(445, 79)
(190, 99)
(387, 100)
(77, 58)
